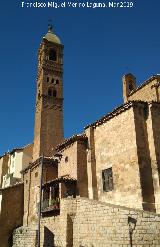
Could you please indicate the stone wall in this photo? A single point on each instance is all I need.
(68, 163)
(153, 129)
(116, 147)
(24, 237)
(145, 93)
(31, 195)
(85, 222)
(74, 163)
(11, 215)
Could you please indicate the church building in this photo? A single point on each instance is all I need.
(95, 188)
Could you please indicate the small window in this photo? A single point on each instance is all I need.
(52, 55)
(52, 81)
(26, 181)
(130, 85)
(66, 159)
(47, 79)
(107, 178)
(57, 81)
(54, 93)
(50, 92)
(36, 174)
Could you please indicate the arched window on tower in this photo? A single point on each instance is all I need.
(130, 85)
(57, 81)
(54, 93)
(50, 92)
(52, 55)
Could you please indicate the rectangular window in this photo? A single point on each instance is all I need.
(107, 178)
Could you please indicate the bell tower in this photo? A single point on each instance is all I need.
(48, 130)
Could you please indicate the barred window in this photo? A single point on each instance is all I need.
(107, 178)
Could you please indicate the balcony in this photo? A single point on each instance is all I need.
(53, 190)
(51, 205)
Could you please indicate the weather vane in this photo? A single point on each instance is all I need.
(50, 25)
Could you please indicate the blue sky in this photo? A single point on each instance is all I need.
(100, 46)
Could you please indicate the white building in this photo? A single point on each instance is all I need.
(18, 158)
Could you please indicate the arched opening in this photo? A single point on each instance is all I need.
(52, 55)
(54, 93)
(57, 81)
(52, 81)
(130, 86)
(50, 92)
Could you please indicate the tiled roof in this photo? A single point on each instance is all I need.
(70, 140)
(19, 149)
(114, 113)
(64, 178)
(153, 77)
(16, 149)
(47, 160)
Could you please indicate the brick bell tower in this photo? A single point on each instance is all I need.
(48, 130)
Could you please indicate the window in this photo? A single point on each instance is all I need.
(52, 55)
(107, 178)
(130, 85)
(50, 92)
(54, 93)
(52, 81)
(47, 79)
(36, 174)
(57, 81)
(66, 159)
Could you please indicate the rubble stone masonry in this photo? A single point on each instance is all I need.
(85, 222)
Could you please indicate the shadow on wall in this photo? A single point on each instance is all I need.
(10, 240)
(132, 225)
(70, 230)
(48, 238)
